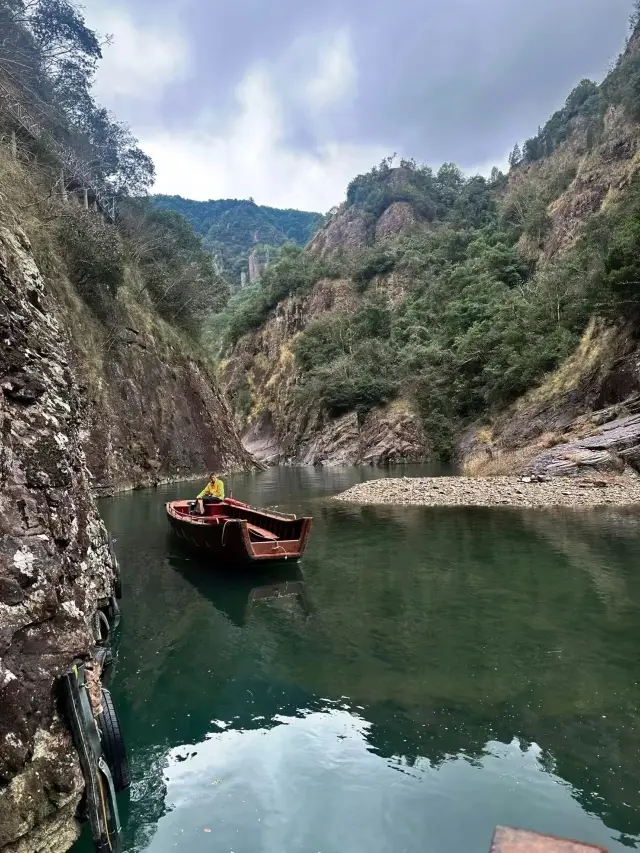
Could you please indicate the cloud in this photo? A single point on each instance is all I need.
(335, 80)
(252, 158)
(283, 99)
(141, 61)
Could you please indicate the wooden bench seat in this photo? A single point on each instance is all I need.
(262, 533)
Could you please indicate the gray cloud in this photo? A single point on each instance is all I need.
(436, 80)
(446, 79)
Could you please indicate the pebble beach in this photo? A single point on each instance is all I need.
(498, 491)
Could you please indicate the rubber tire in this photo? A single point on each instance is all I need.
(102, 628)
(113, 747)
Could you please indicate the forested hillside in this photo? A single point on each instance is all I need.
(455, 295)
(233, 228)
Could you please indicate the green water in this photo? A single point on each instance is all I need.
(430, 674)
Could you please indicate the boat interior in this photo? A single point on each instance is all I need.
(262, 527)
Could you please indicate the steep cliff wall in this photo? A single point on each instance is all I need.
(88, 405)
(152, 407)
(584, 415)
(55, 566)
(487, 284)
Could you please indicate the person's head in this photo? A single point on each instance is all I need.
(213, 478)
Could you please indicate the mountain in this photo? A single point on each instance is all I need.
(233, 228)
(492, 320)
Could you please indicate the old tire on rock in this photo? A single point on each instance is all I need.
(113, 746)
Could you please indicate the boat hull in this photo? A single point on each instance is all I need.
(234, 534)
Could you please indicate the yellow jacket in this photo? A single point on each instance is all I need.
(213, 490)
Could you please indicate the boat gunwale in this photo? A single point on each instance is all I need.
(202, 519)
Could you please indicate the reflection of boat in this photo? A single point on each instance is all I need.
(235, 595)
(295, 590)
(237, 533)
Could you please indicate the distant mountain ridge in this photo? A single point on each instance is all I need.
(233, 228)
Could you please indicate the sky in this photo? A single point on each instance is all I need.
(285, 101)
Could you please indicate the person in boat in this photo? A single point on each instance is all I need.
(212, 493)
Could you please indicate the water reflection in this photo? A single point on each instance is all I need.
(422, 676)
(236, 591)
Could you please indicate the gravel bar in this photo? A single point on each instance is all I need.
(497, 491)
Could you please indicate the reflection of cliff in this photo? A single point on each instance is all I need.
(580, 540)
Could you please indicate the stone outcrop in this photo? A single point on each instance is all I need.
(600, 177)
(384, 436)
(346, 230)
(396, 218)
(55, 564)
(255, 267)
(609, 448)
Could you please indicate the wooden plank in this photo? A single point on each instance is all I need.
(508, 840)
(265, 534)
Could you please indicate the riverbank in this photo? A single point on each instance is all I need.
(498, 491)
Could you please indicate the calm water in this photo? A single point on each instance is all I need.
(429, 674)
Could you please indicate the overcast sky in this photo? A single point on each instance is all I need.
(287, 100)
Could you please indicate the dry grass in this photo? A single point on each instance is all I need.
(594, 352)
(492, 461)
(497, 463)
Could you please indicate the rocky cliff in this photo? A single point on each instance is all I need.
(55, 565)
(260, 378)
(585, 417)
(87, 406)
(152, 408)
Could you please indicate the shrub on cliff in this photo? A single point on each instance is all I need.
(93, 256)
(372, 261)
(176, 272)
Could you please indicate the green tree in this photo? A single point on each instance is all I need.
(515, 158)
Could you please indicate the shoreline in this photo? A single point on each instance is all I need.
(593, 491)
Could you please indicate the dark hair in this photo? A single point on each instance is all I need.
(213, 476)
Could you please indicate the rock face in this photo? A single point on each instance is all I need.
(585, 418)
(260, 372)
(278, 429)
(600, 176)
(255, 267)
(55, 565)
(384, 436)
(347, 230)
(396, 218)
(154, 415)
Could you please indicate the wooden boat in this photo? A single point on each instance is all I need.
(234, 532)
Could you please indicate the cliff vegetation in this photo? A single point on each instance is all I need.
(234, 228)
(464, 292)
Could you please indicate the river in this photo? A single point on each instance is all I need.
(428, 674)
